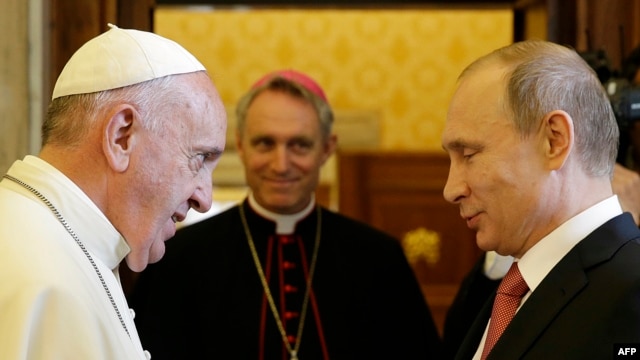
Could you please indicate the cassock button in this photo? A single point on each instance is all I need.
(290, 289)
(288, 315)
(286, 239)
(291, 338)
(288, 265)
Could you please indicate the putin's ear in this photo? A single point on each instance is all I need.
(559, 137)
(119, 136)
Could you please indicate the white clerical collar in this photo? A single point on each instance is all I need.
(285, 223)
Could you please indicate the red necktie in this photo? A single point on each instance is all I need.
(510, 292)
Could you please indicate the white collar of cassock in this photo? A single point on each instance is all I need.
(285, 223)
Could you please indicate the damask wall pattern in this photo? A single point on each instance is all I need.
(400, 63)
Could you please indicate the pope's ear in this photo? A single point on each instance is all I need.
(119, 136)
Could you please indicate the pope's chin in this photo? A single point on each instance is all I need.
(138, 260)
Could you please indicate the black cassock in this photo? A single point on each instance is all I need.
(204, 299)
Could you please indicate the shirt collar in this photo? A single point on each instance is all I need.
(538, 261)
(285, 223)
(89, 224)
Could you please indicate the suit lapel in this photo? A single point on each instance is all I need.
(562, 284)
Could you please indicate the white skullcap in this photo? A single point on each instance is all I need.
(122, 57)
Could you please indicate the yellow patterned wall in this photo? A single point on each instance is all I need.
(400, 63)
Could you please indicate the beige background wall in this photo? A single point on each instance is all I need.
(401, 64)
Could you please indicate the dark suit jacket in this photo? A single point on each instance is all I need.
(203, 299)
(587, 303)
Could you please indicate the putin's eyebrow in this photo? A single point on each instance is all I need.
(453, 145)
(459, 145)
